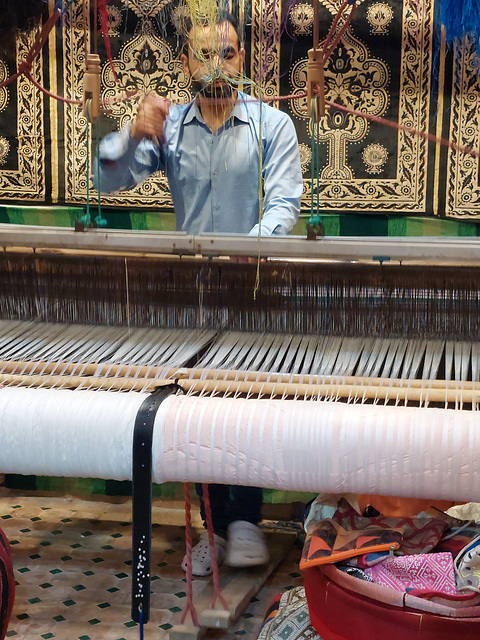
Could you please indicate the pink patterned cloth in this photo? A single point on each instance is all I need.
(426, 571)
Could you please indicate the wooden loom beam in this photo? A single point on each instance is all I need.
(272, 389)
(144, 372)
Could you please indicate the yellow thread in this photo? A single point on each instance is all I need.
(53, 107)
(260, 196)
(205, 13)
(439, 127)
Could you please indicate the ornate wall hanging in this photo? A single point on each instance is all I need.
(381, 66)
(143, 61)
(463, 176)
(365, 166)
(22, 131)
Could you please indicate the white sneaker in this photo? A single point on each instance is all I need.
(201, 559)
(246, 546)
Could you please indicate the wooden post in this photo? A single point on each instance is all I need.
(91, 87)
(315, 84)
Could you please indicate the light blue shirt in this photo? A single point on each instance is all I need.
(214, 179)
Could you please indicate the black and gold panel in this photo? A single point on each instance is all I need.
(145, 58)
(22, 129)
(266, 65)
(363, 165)
(382, 66)
(463, 176)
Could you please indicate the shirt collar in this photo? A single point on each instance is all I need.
(239, 110)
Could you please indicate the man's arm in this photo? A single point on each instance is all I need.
(130, 156)
(283, 183)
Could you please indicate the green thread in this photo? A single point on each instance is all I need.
(314, 225)
(85, 219)
(313, 161)
(100, 221)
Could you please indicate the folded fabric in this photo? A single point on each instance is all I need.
(356, 572)
(272, 609)
(368, 559)
(457, 538)
(467, 565)
(454, 600)
(292, 621)
(348, 534)
(426, 571)
(466, 511)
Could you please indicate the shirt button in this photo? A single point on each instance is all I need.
(215, 173)
(211, 141)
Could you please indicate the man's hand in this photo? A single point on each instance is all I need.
(151, 115)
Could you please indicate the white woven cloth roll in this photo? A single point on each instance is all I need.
(57, 432)
(280, 444)
(319, 446)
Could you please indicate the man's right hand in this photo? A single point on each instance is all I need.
(151, 115)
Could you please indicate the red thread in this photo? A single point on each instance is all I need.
(26, 65)
(401, 127)
(388, 123)
(217, 592)
(49, 93)
(328, 52)
(102, 8)
(190, 607)
(9, 80)
(334, 24)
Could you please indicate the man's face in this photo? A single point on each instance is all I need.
(214, 57)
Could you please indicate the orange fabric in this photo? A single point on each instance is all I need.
(348, 534)
(407, 507)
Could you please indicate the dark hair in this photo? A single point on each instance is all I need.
(222, 16)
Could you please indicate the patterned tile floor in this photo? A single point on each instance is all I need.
(72, 568)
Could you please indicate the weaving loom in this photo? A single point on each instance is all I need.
(337, 376)
(338, 365)
(326, 359)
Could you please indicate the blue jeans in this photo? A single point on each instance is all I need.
(230, 503)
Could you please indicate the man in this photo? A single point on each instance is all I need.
(212, 151)
(210, 147)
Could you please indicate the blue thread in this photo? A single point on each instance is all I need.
(459, 17)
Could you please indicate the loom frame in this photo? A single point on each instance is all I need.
(423, 250)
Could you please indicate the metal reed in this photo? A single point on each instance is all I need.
(323, 299)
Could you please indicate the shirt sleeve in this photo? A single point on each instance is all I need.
(282, 179)
(125, 162)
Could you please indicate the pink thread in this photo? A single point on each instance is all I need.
(217, 592)
(190, 607)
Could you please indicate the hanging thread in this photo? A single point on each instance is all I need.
(190, 607)
(217, 592)
(86, 219)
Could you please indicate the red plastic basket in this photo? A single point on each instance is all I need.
(343, 607)
(7, 584)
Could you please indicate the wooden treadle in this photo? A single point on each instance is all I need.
(238, 587)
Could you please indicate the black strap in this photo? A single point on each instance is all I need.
(142, 501)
